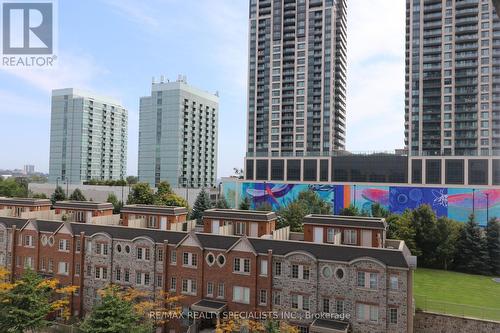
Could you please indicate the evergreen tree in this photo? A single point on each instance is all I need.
(264, 207)
(245, 203)
(222, 203)
(201, 204)
(472, 250)
(350, 211)
(58, 195)
(307, 202)
(117, 205)
(493, 240)
(378, 211)
(142, 194)
(77, 195)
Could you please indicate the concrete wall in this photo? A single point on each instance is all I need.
(100, 193)
(425, 322)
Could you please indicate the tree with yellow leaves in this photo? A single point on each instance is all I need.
(127, 311)
(26, 303)
(253, 326)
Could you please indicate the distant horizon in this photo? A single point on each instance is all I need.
(130, 42)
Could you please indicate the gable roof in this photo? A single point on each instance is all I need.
(346, 221)
(238, 214)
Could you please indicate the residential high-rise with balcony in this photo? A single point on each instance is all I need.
(88, 137)
(178, 135)
(297, 84)
(452, 78)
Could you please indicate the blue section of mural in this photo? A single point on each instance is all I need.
(455, 203)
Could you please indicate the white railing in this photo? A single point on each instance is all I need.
(42, 215)
(282, 233)
(137, 223)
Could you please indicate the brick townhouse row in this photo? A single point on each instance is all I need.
(371, 287)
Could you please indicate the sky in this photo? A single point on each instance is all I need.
(115, 47)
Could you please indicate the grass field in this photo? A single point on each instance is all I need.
(457, 293)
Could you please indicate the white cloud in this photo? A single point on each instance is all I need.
(20, 106)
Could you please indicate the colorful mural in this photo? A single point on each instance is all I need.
(455, 203)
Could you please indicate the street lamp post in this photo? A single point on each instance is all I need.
(473, 201)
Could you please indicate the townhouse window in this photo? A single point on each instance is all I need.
(326, 305)
(77, 269)
(143, 253)
(51, 265)
(300, 272)
(189, 286)
(239, 228)
(102, 248)
(159, 280)
(300, 302)
(63, 245)
(142, 278)
(393, 315)
(263, 267)
(210, 289)
(277, 268)
(78, 245)
(118, 274)
(173, 257)
(394, 282)
(221, 290)
(28, 262)
(241, 295)
(126, 275)
(189, 259)
(63, 268)
(367, 312)
(330, 235)
(241, 265)
(43, 264)
(89, 246)
(28, 241)
(173, 284)
(277, 298)
(339, 306)
(20, 240)
(2, 236)
(18, 261)
(350, 237)
(160, 255)
(263, 297)
(101, 273)
(89, 270)
(367, 280)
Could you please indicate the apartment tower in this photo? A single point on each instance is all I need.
(452, 78)
(297, 85)
(88, 137)
(178, 135)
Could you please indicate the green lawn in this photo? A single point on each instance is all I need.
(457, 293)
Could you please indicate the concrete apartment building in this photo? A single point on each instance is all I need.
(297, 84)
(88, 137)
(452, 86)
(371, 288)
(178, 135)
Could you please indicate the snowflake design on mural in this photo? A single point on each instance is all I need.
(440, 198)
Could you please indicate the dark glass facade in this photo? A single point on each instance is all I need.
(262, 170)
(371, 168)
(277, 170)
(478, 172)
(433, 171)
(496, 172)
(454, 172)
(416, 171)
(310, 170)
(293, 169)
(249, 170)
(323, 170)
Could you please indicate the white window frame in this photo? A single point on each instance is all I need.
(189, 260)
(241, 295)
(263, 297)
(263, 267)
(65, 268)
(303, 272)
(63, 245)
(241, 263)
(350, 236)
